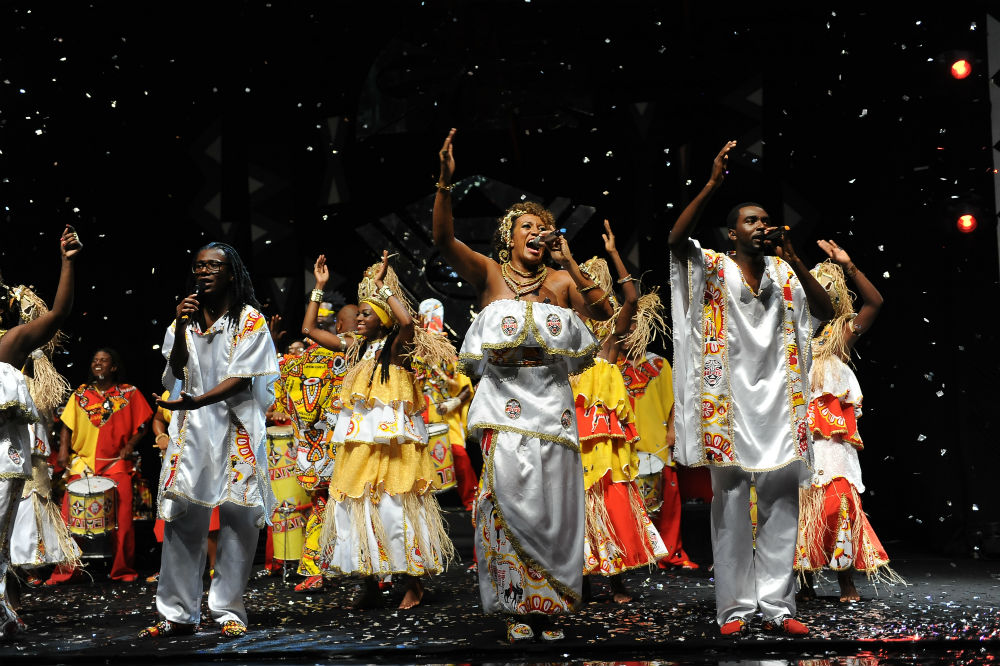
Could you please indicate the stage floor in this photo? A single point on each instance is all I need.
(948, 614)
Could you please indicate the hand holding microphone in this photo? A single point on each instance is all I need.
(545, 238)
(189, 305)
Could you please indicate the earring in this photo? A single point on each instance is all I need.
(504, 255)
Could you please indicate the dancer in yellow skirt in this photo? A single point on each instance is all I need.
(619, 534)
(382, 517)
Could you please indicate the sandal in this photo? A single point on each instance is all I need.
(233, 629)
(167, 628)
(310, 584)
(519, 631)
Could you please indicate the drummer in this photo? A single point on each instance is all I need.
(103, 421)
(448, 393)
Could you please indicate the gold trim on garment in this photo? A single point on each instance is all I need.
(555, 583)
(568, 443)
(21, 411)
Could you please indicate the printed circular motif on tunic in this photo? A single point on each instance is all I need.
(508, 325)
(566, 419)
(513, 409)
(554, 324)
(15, 455)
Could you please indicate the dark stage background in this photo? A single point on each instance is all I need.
(291, 129)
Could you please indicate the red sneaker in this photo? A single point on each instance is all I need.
(788, 626)
(735, 627)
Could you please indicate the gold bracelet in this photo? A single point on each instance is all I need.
(584, 290)
(627, 278)
(316, 296)
(162, 434)
(444, 188)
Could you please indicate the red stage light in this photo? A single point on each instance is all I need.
(961, 69)
(967, 223)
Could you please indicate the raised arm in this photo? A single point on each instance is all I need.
(870, 296)
(630, 296)
(819, 301)
(471, 265)
(23, 339)
(688, 220)
(404, 338)
(310, 322)
(588, 299)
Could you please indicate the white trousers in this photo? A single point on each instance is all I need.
(185, 545)
(748, 578)
(10, 497)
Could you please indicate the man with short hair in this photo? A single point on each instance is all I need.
(741, 332)
(103, 421)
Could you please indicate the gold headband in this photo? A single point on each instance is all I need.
(507, 223)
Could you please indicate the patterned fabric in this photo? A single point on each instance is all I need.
(619, 534)
(102, 423)
(650, 390)
(308, 392)
(733, 344)
(218, 452)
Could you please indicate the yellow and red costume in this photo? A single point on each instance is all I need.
(102, 423)
(649, 385)
(619, 534)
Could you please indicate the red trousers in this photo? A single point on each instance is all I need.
(668, 522)
(466, 481)
(122, 568)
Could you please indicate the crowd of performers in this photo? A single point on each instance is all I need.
(340, 445)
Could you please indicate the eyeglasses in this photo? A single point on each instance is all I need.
(212, 266)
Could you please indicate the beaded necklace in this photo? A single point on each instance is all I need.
(522, 288)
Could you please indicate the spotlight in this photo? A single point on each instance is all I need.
(961, 68)
(967, 223)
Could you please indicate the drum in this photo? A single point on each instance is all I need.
(439, 449)
(287, 521)
(93, 514)
(650, 481)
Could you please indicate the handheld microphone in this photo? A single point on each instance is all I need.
(197, 292)
(775, 234)
(536, 243)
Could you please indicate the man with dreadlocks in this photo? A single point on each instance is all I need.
(221, 366)
(741, 334)
(382, 518)
(834, 531)
(18, 340)
(619, 534)
(525, 342)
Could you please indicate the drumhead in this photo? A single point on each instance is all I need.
(649, 464)
(435, 429)
(90, 485)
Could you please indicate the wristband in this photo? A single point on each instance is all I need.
(316, 296)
